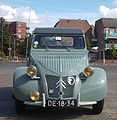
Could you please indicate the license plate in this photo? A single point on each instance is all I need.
(60, 103)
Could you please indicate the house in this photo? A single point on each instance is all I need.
(106, 32)
(19, 29)
(77, 23)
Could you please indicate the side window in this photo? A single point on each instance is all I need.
(79, 43)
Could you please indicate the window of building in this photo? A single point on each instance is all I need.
(19, 25)
(106, 30)
(112, 30)
(19, 30)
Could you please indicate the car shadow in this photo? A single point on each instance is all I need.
(57, 113)
(7, 110)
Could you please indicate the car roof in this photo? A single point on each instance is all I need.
(55, 30)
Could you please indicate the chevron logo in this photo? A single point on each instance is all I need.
(61, 83)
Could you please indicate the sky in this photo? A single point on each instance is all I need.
(46, 13)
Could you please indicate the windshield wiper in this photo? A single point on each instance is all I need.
(47, 49)
(59, 41)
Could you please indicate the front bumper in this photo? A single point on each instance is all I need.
(43, 102)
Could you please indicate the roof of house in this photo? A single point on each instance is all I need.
(18, 22)
(109, 22)
(58, 31)
(73, 23)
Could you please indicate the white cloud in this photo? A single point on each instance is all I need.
(7, 12)
(108, 12)
(22, 14)
(44, 19)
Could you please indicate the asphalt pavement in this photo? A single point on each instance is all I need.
(7, 110)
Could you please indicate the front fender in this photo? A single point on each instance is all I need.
(94, 88)
(23, 85)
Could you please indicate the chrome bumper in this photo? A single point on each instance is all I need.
(80, 103)
(43, 102)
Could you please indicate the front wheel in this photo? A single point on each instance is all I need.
(97, 108)
(19, 107)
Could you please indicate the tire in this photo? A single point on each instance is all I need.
(97, 108)
(19, 107)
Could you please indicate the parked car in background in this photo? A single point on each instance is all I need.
(58, 73)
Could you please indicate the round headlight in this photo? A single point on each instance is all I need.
(35, 96)
(88, 71)
(31, 70)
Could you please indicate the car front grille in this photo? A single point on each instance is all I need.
(54, 90)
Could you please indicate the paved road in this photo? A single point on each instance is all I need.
(7, 111)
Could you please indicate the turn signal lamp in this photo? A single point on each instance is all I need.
(88, 71)
(31, 70)
(35, 96)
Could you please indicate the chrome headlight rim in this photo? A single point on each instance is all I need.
(35, 96)
(32, 69)
(88, 71)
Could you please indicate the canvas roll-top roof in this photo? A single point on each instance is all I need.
(58, 31)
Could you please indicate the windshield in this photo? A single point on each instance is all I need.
(58, 42)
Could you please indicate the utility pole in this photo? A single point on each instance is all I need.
(14, 42)
(26, 46)
(27, 41)
(28, 29)
(14, 48)
(9, 47)
(104, 52)
(104, 56)
(2, 38)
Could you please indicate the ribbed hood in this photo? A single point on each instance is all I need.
(68, 62)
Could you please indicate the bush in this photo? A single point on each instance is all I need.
(20, 55)
(2, 54)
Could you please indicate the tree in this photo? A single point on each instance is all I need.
(6, 36)
(22, 46)
(88, 44)
(112, 49)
